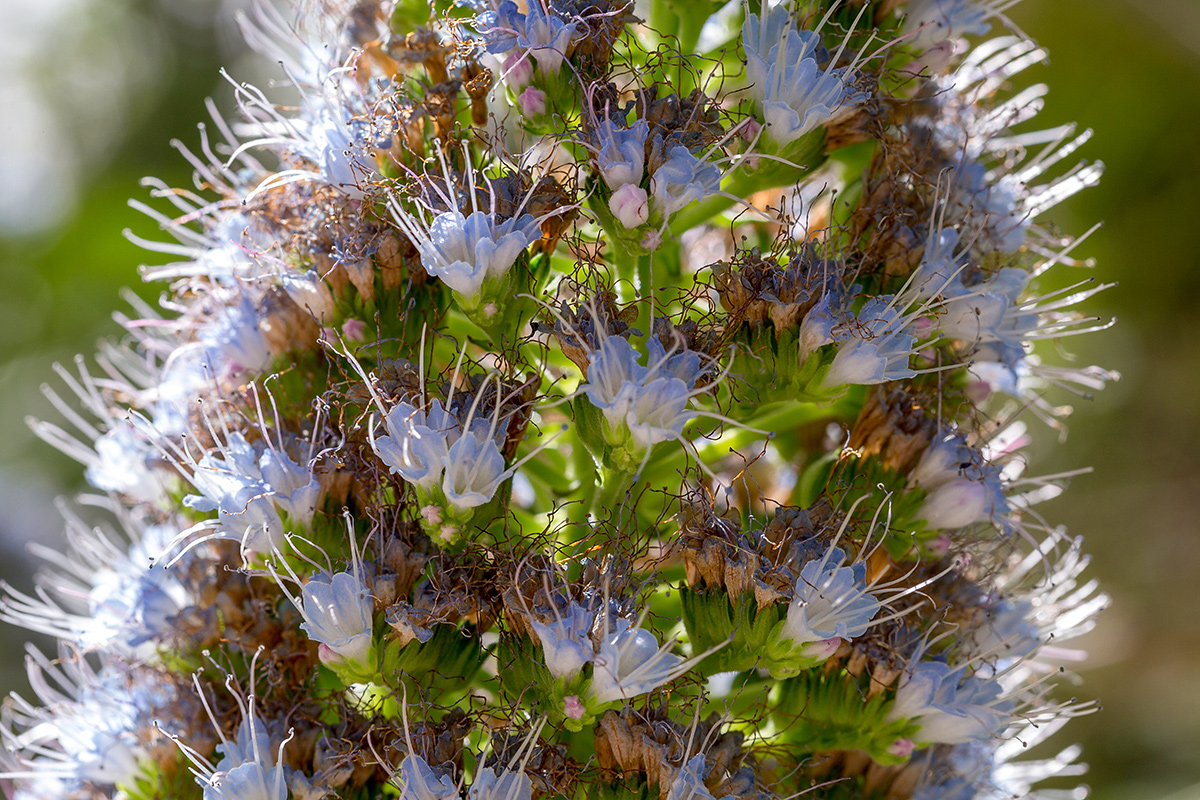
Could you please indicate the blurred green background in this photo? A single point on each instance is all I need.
(92, 92)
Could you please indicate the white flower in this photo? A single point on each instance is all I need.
(310, 292)
(538, 32)
(647, 404)
(249, 490)
(417, 444)
(566, 643)
(878, 348)
(89, 728)
(631, 663)
(681, 180)
(830, 602)
(474, 469)
(962, 487)
(338, 613)
(134, 598)
(248, 781)
(689, 781)
(956, 504)
(817, 328)
(433, 449)
(233, 343)
(293, 488)
(418, 781)
(948, 708)
(621, 155)
(938, 20)
(247, 769)
(463, 250)
(124, 462)
(508, 785)
(782, 65)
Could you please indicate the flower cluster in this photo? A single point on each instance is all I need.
(484, 444)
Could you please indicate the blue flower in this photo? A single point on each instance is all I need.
(435, 451)
(938, 20)
(782, 65)
(948, 708)
(621, 156)
(417, 444)
(645, 404)
(962, 487)
(505, 785)
(247, 769)
(338, 613)
(474, 469)
(689, 781)
(566, 642)
(878, 348)
(539, 31)
(419, 781)
(632, 663)
(830, 602)
(681, 180)
(465, 250)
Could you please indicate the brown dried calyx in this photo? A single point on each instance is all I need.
(885, 783)
(549, 199)
(285, 325)
(689, 334)
(537, 590)
(395, 379)
(693, 122)
(891, 224)
(440, 743)
(423, 46)
(869, 120)
(462, 589)
(549, 769)
(515, 399)
(633, 743)
(881, 653)
(893, 426)
(580, 327)
(755, 288)
(717, 554)
(598, 25)
(537, 593)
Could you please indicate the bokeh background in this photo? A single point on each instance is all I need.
(93, 91)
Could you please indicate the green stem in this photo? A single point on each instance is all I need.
(645, 277)
(615, 483)
(584, 468)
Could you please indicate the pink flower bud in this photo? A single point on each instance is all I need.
(533, 102)
(573, 707)
(922, 327)
(432, 514)
(822, 650)
(939, 545)
(630, 205)
(353, 329)
(328, 656)
(955, 504)
(517, 70)
(902, 748)
(978, 391)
